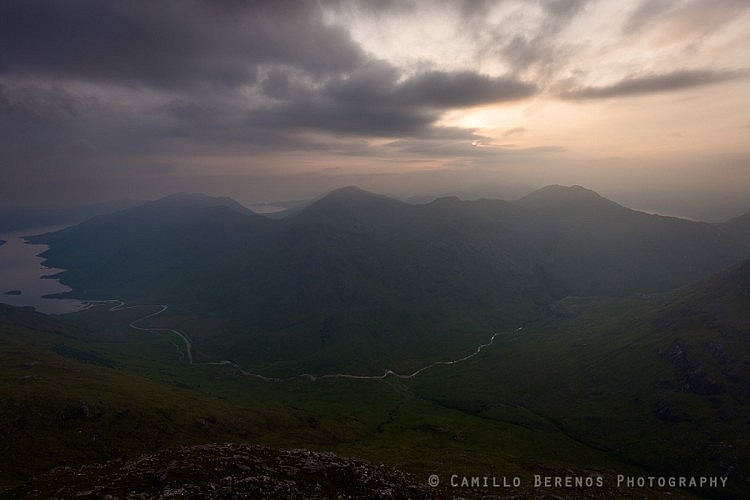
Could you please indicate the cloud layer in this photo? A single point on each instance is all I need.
(112, 90)
(653, 83)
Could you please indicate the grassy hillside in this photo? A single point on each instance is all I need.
(357, 283)
(75, 396)
(66, 402)
(658, 382)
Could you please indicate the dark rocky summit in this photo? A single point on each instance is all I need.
(228, 471)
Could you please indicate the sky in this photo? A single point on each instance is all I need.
(645, 101)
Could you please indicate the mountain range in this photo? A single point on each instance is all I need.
(363, 282)
(614, 342)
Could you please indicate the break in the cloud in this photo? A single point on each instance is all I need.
(138, 98)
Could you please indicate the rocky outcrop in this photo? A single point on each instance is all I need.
(228, 471)
(691, 375)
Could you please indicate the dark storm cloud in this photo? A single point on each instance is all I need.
(114, 91)
(277, 85)
(363, 119)
(373, 101)
(167, 43)
(190, 111)
(220, 72)
(650, 84)
(461, 89)
(35, 120)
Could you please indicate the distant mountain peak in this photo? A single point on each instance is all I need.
(350, 201)
(352, 193)
(555, 195)
(559, 190)
(198, 200)
(446, 200)
(354, 196)
(349, 189)
(182, 197)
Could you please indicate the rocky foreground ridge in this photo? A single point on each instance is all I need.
(227, 471)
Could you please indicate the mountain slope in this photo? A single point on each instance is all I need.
(659, 382)
(191, 201)
(71, 398)
(67, 401)
(138, 251)
(591, 245)
(556, 198)
(739, 225)
(360, 282)
(710, 324)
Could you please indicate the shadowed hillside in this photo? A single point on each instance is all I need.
(65, 402)
(359, 281)
(88, 402)
(661, 382)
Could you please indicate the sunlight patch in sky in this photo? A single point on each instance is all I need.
(137, 102)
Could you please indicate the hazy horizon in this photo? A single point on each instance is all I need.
(643, 102)
(710, 210)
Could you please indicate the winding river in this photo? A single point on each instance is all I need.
(25, 281)
(120, 305)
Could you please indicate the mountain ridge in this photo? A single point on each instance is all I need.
(349, 202)
(354, 280)
(555, 195)
(195, 201)
(660, 381)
